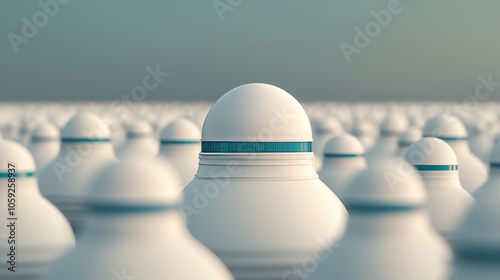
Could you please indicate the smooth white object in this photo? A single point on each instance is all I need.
(140, 143)
(180, 144)
(477, 246)
(387, 143)
(389, 235)
(438, 166)
(36, 229)
(136, 230)
(343, 159)
(473, 172)
(85, 149)
(45, 144)
(256, 200)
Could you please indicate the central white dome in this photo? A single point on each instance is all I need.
(257, 113)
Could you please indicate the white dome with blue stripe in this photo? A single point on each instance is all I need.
(431, 154)
(256, 118)
(85, 127)
(15, 159)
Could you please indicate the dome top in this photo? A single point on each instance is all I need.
(389, 184)
(85, 126)
(125, 186)
(431, 154)
(393, 124)
(45, 131)
(446, 127)
(411, 135)
(344, 145)
(139, 128)
(257, 113)
(180, 131)
(15, 156)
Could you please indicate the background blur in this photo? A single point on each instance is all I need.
(99, 50)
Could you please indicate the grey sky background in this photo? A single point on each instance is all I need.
(98, 50)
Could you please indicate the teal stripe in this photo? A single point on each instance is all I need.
(255, 147)
(328, 155)
(436, 167)
(92, 140)
(444, 138)
(180, 142)
(115, 208)
(4, 175)
(380, 208)
(495, 165)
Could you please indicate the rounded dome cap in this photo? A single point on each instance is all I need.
(257, 112)
(180, 130)
(344, 145)
(390, 183)
(45, 131)
(85, 126)
(135, 184)
(446, 127)
(431, 154)
(393, 124)
(14, 153)
(411, 135)
(139, 128)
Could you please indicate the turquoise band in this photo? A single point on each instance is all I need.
(255, 147)
(380, 208)
(179, 142)
(91, 140)
(327, 155)
(114, 208)
(4, 175)
(444, 138)
(495, 164)
(436, 167)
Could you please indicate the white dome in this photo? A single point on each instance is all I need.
(119, 186)
(344, 144)
(388, 183)
(393, 124)
(180, 130)
(14, 153)
(139, 128)
(446, 127)
(85, 126)
(431, 153)
(259, 113)
(44, 132)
